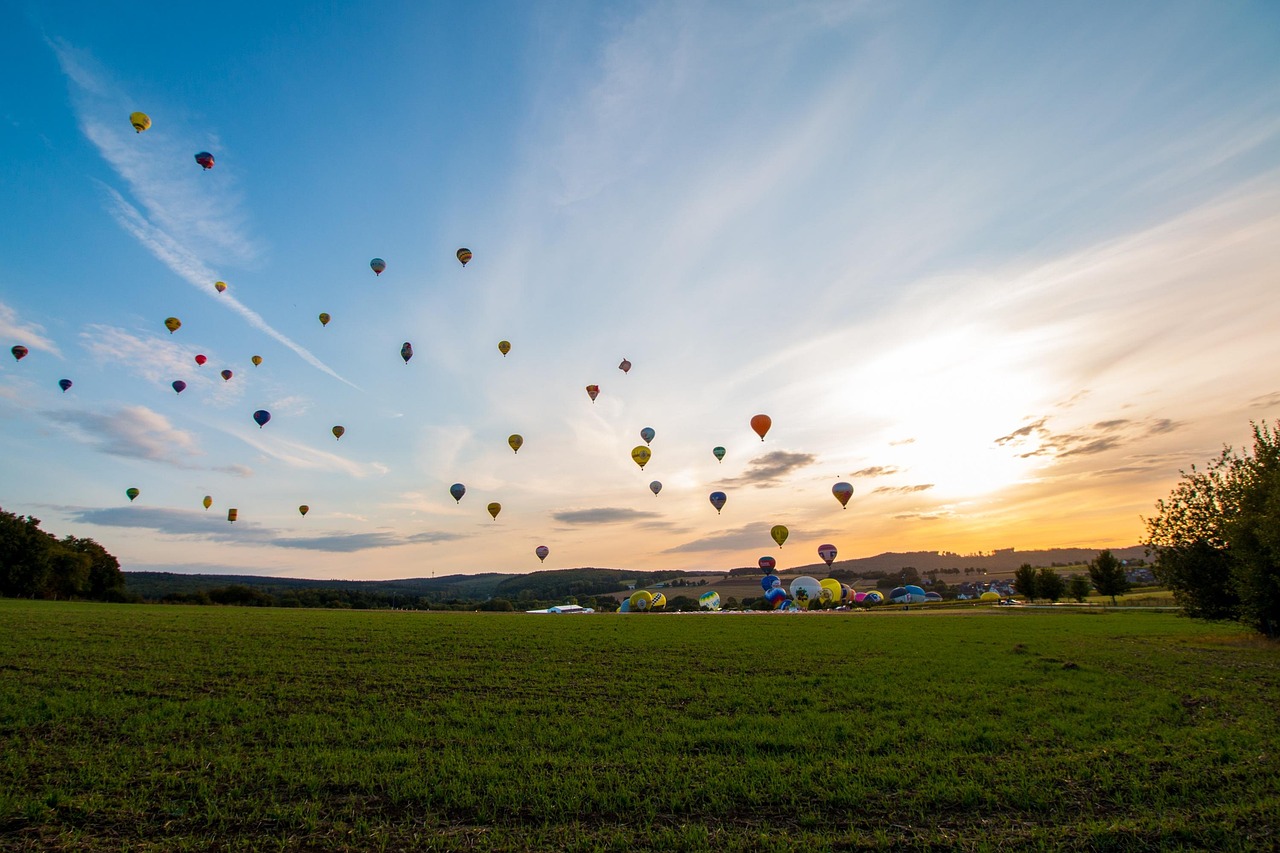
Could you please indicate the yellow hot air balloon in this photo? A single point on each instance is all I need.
(140, 121)
(172, 324)
(516, 441)
(208, 501)
(779, 534)
(641, 455)
(504, 347)
(219, 286)
(257, 359)
(304, 509)
(464, 255)
(231, 514)
(338, 431)
(324, 319)
(494, 508)
(640, 600)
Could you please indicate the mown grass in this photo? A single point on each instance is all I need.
(179, 728)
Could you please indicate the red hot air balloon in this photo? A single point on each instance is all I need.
(842, 491)
(827, 553)
(205, 159)
(19, 352)
(625, 367)
(761, 424)
(200, 359)
(542, 551)
(768, 564)
(593, 391)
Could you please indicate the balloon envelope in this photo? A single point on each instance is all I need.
(205, 159)
(875, 596)
(377, 265)
(709, 600)
(647, 434)
(805, 590)
(842, 491)
(659, 600)
(208, 501)
(64, 384)
(324, 319)
(200, 359)
(625, 366)
(494, 508)
(776, 596)
(899, 595)
(338, 432)
(226, 374)
(767, 563)
(516, 442)
(179, 386)
(655, 487)
(542, 551)
(831, 591)
(718, 500)
(779, 534)
(132, 492)
(140, 121)
(232, 513)
(761, 424)
(172, 324)
(768, 582)
(19, 352)
(593, 391)
(989, 596)
(457, 490)
(464, 255)
(257, 359)
(827, 553)
(304, 509)
(718, 452)
(641, 455)
(504, 347)
(220, 286)
(406, 351)
(641, 599)
(261, 417)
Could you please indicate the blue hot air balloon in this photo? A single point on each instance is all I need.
(179, 386)
(457, 490)
(261, 417)
(64, 384)
(647, 434)
(717, 500)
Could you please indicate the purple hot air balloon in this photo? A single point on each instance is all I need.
(542, 551)
(179, 386)
(64, 384)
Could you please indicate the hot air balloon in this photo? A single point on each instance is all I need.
(593, 391)
(304, 509)
(406, 352)
(647, 434)
(719, 453)
(831, 591)
(761, 424)
(640, 600)
(709, 600)
(457, 490)
(64, 384)
(875, 596)
(659, 601)
(257, 359)
(625, 366)
(542, 551)
(261, 417)
(494, 508)
(226, 375)
(337, 432)
(132, 492)
(516, 441)
(208, 501)
(842, 491)
(641, 455)
(717, 500)
(767, 563)
(179, 386)
(140, 121)
(205, 159)
(231, 514)
(200, 359)
(19, 352)
(377, 265)
(504, 347)
(172, 324)
(805, 590)
(464, 255)
(219, 286)
(324, 319)
(827, 553)
(776, 597)
(779, 534)
(655, 487)
(769, 582)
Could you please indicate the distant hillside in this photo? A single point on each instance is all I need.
(156, 585)
(1003, 560)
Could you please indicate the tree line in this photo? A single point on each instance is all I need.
(37, 564)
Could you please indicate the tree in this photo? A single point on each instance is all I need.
(1078, 588)
(1024, 581)
(1216, 537)
(1049, 584)
(1108, 575)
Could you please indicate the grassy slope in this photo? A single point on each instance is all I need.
(171, 728)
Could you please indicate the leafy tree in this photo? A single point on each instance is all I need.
(1108, 575)
(1049, 584)
(1078, 587)
(1024, 581)
(1216, 537)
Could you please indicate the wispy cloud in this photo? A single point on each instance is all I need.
(748, 536)
(602, 515)
(774, 468)
(156, 358)
(30, 335)
(298, 455)
(901, 490)
(1086, 440)
(876, 471)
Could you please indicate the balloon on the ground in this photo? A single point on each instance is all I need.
(779, 533)
(338, 432)
(200, 359)
(932, 596)
(504, 347)
(767, 563)
(805, 590)
(220, 286)
(641, 455)
(64, 384)
(827, 553)
(842, 491)
(140, 121)
(257, 360)
(232, 514)
(647, 434)
(625, 366)
(709, 600)
(19, 352)
(641, 599)
(494, 508)
(226, 376)
(464, 255)
(172, 324)
(761, 424)
(655, 487)
(718, 500)
(516, 441)
(457, 490)
(625, 607)
(859, 597)
(205, 159)
(831, 591)
(208, 501)
(718, 452)
(377, 265)
(775, 596)
(406, 351)
(768, 582)
(131, 492)
(593, 391)
(659, 601)
(304, 509)
(917, 593)
(989, 596)
(179, 386)
(542, 551)
(261, 417)
(875, 596)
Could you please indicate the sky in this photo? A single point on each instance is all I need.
(1005, 268)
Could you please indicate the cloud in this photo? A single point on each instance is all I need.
(602, 515)
(876, 471)
(752, 535)
(934, 515)
(134, 432)
(1265, 401)
(157, 359)
(901, 490)
(1089, 440)
(771, 468)
(902, 441)
(298, 455)
(31, 335)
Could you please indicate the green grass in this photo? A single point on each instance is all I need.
(172, 728)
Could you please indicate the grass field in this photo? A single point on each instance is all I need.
(171, 728)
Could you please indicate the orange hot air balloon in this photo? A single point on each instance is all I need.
(464, 255)
(593, 391)
(761, 424)
(220, 286)
(338, 431)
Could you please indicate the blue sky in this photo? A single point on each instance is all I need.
(1006, 268)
